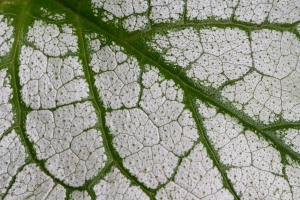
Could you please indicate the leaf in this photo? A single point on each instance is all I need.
(150, 99)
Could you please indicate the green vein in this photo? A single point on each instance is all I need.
(277, 27)
(101, 112)
(211, 152)
(16, 86)
(281, 126)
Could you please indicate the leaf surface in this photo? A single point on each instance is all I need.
(137, 99)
